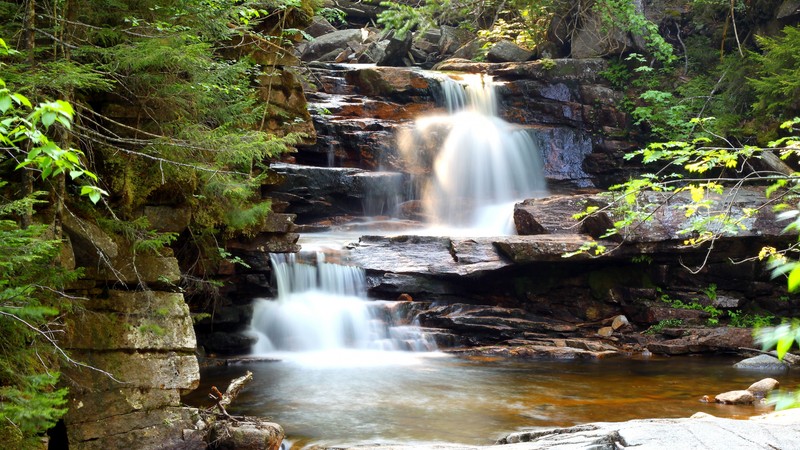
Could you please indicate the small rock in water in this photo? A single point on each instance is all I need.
(405, 298)
(762, 363)
(736, 398)
(619, 322)
(707, 399)
(763, 387)
(701, 415)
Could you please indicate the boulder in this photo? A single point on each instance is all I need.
(390, 50)
(470, 50)
(507, 51)
(736, 398)
(762, 363)
(605, 331)
(762, 387)
(453, 38)
(619, 322)
(250, 434)
(331, 43)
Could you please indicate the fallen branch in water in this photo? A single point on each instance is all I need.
(222, 400)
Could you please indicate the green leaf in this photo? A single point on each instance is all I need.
(48, 117)
(794, 279)
(5, 102)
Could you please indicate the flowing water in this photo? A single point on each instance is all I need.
(322, 307)
(413, 398)
(480, 165)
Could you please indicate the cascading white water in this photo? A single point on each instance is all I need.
(322, 306)
(480, 168)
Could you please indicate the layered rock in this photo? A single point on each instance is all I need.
(134, 348)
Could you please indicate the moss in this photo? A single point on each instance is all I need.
(152, 328)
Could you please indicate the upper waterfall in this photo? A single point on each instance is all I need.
(479, 165)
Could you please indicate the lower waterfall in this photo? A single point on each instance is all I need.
(322, 306)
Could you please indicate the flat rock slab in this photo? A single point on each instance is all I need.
(432, 255)
(650, 434)
(427, 255)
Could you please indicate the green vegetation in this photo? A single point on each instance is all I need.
(666, 323)
(107, 106)
(713, 312)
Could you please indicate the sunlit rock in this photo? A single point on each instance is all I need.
(735, 398)
(763, 387)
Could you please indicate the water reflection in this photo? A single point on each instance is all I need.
(419, 398)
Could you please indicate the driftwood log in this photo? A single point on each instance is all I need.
(222, 400)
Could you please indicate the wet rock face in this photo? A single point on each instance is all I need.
(321, 192)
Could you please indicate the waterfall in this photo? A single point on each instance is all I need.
(480, 165)
(322, 306)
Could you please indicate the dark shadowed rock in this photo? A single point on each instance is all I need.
(703, 340)
(168, 218)
(484, 325)
(227, 343)
(507, 51)
(319, 26)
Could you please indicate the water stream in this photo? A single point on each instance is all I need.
(414, 398)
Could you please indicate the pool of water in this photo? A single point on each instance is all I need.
(356, 397)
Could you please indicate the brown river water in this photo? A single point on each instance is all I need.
(358, 397)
